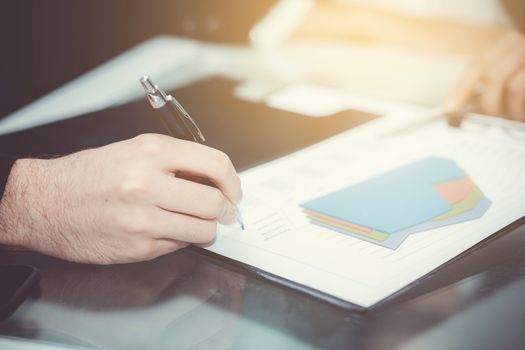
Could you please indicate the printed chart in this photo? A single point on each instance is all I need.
(385, 210)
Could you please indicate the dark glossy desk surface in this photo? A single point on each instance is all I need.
(186, 300)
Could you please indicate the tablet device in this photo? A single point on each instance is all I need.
(17, 282)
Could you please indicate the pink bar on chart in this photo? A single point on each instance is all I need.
(455, 191)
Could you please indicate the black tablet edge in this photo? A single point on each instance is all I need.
(333, 300)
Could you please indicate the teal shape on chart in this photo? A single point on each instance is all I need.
(395, 200)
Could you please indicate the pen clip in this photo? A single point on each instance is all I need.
(188, 120)
(158, 99)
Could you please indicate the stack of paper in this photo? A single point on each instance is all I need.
(385, 210)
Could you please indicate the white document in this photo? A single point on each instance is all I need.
(280, 240)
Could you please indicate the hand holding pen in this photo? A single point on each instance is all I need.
(179, 122)
(120, 203)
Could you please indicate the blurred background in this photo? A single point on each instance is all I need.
(363, 46)
(45, 44)
(373, 56)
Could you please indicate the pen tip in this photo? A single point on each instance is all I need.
(239, 217)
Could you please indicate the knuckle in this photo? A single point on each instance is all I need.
(150, 143)
(132, 187)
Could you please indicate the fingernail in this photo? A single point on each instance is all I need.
(230, 215)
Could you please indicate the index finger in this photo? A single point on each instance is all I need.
(465, 89)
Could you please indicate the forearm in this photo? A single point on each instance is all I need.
(118, 203)
(15, 224)
(6, 165)
(33, 212)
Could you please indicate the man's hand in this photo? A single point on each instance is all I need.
(120, 203)
(498, 78)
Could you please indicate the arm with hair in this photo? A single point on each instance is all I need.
(120, 203)
(6, 164)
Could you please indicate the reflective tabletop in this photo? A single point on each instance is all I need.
(186, 300)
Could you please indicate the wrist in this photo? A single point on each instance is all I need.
(20, 203)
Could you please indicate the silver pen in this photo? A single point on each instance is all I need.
(178, 121)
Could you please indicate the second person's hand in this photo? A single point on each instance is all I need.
(495, 83)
